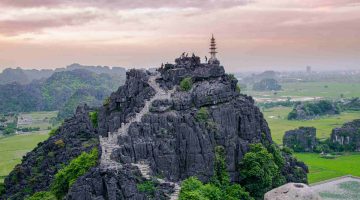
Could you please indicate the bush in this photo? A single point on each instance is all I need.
(202, 114)
(147, 187)
(259, 172)
(238, 89)
(221, 177)
(186, 84)
(2, 188)
(94, 118)
(60, 143)
(42, 196)
(106, 101)
(53, 131)
(70, 173)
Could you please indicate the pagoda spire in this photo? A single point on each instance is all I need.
(212, 50)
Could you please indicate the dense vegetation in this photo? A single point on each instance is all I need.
(260, 171)
(67, 176)
(219, 188)
(312, 109)
(62, 91)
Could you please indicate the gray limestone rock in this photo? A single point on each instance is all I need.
(302, 139)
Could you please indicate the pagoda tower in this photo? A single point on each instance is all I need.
(213, 59)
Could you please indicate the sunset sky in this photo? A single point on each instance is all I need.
(251, 35)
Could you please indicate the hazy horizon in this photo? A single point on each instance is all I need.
(251, 35)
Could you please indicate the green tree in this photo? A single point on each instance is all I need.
(259, 172)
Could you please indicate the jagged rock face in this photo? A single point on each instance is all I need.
(292, 191)
(38, 167)
(124, 103)
(110, 185)
(302, 139)
(347, 136)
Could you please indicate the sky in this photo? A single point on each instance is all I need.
(250, 34)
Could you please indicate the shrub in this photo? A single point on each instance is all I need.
(221, 177)
(238, 89)
(2, 188)
(70, 173)
(202, 114)
(186, 84)
(42, 196)
(259, 172)
(53, 132)
(147, 187)
(60, 143)
(94, 118)
(232, 77)
(106, 101)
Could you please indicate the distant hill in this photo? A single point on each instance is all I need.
(61, 91)
(26, 76)
(267, 85)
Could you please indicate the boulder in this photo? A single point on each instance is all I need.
(292, 191)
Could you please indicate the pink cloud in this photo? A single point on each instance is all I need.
(25, 25)
(128, 4)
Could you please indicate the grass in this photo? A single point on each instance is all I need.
(323, 169)
(278, 123)
(311, 89)
(13, 148)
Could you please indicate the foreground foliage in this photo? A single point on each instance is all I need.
(69, 174)
(260, 170)
(219, 187)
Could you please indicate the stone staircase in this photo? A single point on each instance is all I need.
(146, 173)
(110, 143)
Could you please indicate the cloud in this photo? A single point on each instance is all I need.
(31, 24)
(128, 4)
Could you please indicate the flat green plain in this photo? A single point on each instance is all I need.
(13, 148)
(329, 90)
(278, 123)
(323, 169)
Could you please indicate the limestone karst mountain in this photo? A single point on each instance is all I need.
(161, 126)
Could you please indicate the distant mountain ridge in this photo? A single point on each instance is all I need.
(62, 91)
(26, 76)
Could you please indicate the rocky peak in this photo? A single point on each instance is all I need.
(172, 74)
(153, 130)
